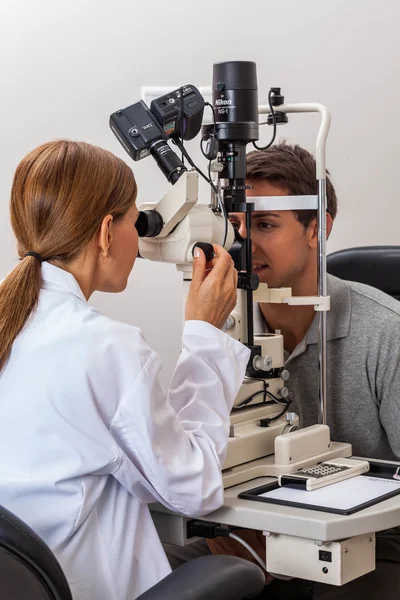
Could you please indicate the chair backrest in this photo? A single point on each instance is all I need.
(28, 568)
(377, 266)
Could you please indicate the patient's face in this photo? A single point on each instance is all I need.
(281, 245)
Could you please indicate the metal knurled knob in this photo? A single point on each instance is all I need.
(285, 375)
(262, 363)
(284, 392)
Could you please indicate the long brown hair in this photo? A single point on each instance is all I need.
(60, 195)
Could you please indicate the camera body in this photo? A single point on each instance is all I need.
(180, 113)
(143, 131)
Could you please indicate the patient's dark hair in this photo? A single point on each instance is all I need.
(292, 168)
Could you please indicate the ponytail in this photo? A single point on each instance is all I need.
(19, 293)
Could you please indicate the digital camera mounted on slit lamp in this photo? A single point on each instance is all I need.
(264, 435)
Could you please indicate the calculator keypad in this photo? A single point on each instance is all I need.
(321, 470)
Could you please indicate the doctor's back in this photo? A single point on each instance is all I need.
(87, 436)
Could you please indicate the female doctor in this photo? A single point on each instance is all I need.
(87, 435)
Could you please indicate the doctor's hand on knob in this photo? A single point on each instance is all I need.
(212, 293)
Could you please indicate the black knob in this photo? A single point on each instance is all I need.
(276, 98)
(248, 282)
(207, 249)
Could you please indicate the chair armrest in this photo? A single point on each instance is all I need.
(210, 578)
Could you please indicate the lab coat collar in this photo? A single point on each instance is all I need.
(59, 280)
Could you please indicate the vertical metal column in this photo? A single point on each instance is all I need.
(322, 291)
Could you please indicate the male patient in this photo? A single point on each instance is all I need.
(363, 352)
(363, 357)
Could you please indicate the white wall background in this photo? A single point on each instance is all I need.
(66, 65)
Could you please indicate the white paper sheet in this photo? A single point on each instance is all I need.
(343, 495)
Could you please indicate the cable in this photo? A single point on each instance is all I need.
(214, 118)
(220, 203)
(278, 400)
(210, 530)
(181, 121)
(274, 125)
(264, 391)
(222, 209)
(250, 398)
(249, 549)
(178, 142)
(204, 137)
(265, 422)
(264, 402)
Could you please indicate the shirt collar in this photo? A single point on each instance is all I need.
(337, 321)
(59, 280)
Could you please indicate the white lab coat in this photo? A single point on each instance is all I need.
(88, 437)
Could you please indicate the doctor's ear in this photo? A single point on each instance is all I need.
(105, 236)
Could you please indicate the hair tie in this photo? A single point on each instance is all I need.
(35, 255)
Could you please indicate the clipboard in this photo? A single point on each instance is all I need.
(344, 498)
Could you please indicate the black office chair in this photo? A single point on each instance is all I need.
(378, 266)
(30, 571)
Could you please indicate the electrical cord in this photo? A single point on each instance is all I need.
(179, 142)
(265, 422)
(181, 121)
(214, 118)
(220, 203)
(265, 393)
(278, 400)
(273, 123)
(250, 398)
(210, 530)
(203, 138)
(249, 549)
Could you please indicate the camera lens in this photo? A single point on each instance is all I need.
(168, 161)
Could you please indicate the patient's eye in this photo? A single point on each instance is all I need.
(235, 225)
(265, 225)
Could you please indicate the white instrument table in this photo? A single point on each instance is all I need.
(300, 522)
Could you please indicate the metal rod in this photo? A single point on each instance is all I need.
(321, 269)
(322, 291)
(249, 269)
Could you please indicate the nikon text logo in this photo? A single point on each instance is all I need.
(223, 102)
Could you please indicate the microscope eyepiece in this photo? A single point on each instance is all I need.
(149, 223)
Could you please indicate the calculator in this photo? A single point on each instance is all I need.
(324, 473)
